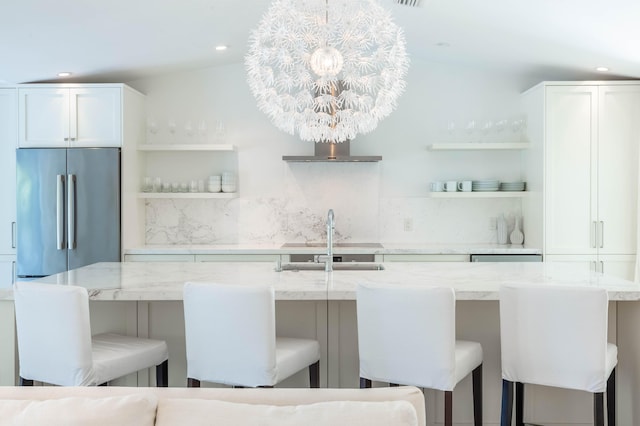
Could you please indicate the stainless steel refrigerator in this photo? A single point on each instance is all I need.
(68, 209)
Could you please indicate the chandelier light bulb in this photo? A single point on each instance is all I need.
(326, 61)
(329, 79)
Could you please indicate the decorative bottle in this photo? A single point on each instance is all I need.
(517, 237)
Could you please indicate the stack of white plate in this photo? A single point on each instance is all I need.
(512, 186)
(485, 185)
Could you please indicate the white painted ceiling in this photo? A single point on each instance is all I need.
(124, 40)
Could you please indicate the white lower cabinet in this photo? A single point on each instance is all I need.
(237, 257)
(622, 266)
(201, 257)
(426, 257)
(159, 258)
(7, 270)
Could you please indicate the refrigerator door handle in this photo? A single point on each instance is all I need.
(60, 212)
(71, 212)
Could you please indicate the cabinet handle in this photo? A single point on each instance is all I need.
(13, 271)
(13, 235)
(601, 267)
(66, 139)
(73, 139)
(594, 232)
(594, 266)
(601, 234)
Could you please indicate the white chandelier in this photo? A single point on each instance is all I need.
(328, 69)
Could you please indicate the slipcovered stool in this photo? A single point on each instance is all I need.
(556, 336)
(55, 345)
(407, 335)
(230, 333)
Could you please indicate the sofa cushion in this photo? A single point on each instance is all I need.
(134, 410)
(196, 412)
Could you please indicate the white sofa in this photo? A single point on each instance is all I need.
(123, 406)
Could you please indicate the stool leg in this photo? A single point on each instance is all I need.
(519, 404)
(314, 375)
(476, 378)
(364, 383)
(611, 399)
(448, 408)
(598, 409)
(193, 383)
(162, 374)
(507, 403)
(25, 382)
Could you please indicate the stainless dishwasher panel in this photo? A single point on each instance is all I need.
(336, 257)
(506, 258)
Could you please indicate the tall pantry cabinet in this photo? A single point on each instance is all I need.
(8, 140)
(586, 136)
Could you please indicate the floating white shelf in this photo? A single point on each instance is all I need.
(478, 146)
(479, 194)
(187, 147)
(169, 195)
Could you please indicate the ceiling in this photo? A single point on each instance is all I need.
(125, 40)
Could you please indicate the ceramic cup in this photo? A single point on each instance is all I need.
(464, 186)
(436, 186)
(451, 186)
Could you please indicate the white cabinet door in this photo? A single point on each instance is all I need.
(96, 117)
(618, 141)
(571, 130)
(7, 271)
(70, 117)
(622, 266)
(8, 139)
(43, 117)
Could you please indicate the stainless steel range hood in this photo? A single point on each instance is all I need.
(332, 152)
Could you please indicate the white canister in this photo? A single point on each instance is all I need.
(501, 226)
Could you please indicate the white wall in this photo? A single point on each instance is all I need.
(281, 201)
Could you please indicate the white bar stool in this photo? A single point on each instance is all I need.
(55, 345)
(556, 336)
(407, 335)
(231, 338)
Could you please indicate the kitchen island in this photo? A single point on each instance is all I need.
(145, 298)
(163, 281)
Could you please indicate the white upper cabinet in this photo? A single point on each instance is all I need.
(70, 117)
(571, 143)
(591, 163)
(618, 156)
(8, 138)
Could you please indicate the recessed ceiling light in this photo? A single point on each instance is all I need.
(221, 47)
(442, 44)
(602, 69)
(64, 74)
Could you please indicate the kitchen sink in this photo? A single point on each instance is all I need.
(309, 266)
(324, 244)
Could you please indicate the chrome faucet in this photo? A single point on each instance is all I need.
(328, 258)
(328, 266)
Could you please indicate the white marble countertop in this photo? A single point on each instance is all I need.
(472, 281)
(387, 248)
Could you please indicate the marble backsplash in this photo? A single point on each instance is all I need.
(279, 220)
(296, 211)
